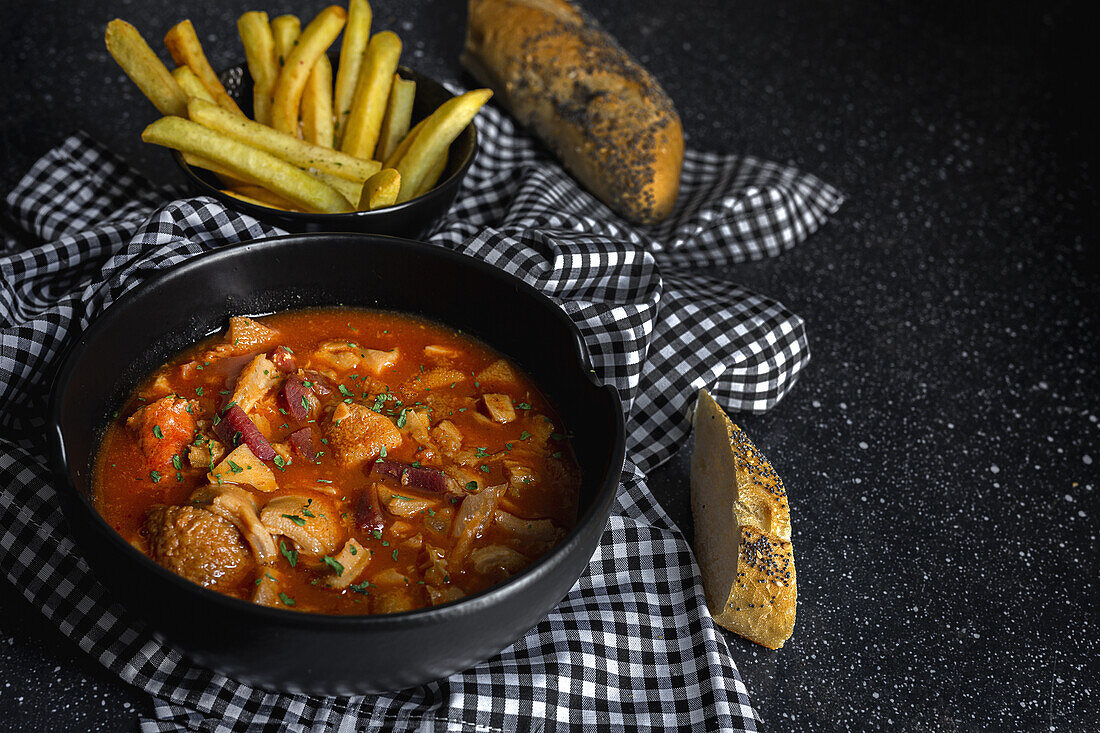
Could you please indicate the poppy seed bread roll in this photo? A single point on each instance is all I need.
(608, 121)
(742, 530)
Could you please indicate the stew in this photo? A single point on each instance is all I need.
(339, 461)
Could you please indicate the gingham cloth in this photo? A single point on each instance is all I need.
(632, 647)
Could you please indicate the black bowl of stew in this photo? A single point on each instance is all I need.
(411, 218)
(280, 648)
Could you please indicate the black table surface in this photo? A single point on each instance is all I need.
(939, 449)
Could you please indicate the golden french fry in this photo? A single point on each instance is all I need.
(247, 162)
(190, 84)
(356, 35)
(396, 156)
(229, 179)
(317, 105)
(186, 50)
(312, 44)
(281, 144)
(259, 52)
(439, 131)
(261, 197)
(434, 172)
(348, 189)
(285, 29)
(380, 190)
(395, 123)
(247, 199)
(373, 89)
(148, 72)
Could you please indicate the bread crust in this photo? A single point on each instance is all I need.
(742, 530)
(602, 114)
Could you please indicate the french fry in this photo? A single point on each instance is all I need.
(348, 189)
(282, 145)
(434, 172)
(229, 179)
(190, 84)
(317, 105)
(247, 162)
(439, 131)
(356, 36)
(247, 199)
(143, 67)
(186, 50)
(261, 197)
(403, 146)
(380, 190)
(373, 89)
(395, 123)
(259, 52)
(312, 44)
(285, 29)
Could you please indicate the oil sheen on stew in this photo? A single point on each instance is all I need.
(339, 461)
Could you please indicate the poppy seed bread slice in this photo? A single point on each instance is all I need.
(742, 530)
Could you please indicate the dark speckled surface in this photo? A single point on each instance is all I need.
(940, 450)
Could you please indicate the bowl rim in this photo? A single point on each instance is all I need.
(598, 510)
(303, 217)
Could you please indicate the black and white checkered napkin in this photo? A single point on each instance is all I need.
(632, 646)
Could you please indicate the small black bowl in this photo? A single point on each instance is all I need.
(312, 653)
(409, 219)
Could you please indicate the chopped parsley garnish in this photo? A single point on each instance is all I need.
(176, 463)
(278, 461)
(345, 391)
(290, 555)
(287, 600)
(306, 511)
(155, 475)
(523, 406)
(524, 435)
(158, 432)
(556, 454)
(395, 553)
(296, 519)
(471, 486)
(485, 469)
(480, 452)
(333, 563)
(401, 419)
(198, 391)
(234, 467)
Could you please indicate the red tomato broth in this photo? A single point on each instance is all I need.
(125, 488)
